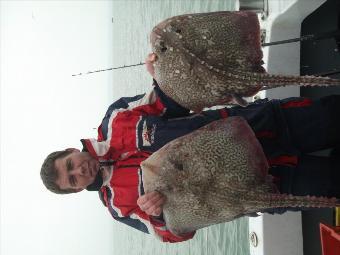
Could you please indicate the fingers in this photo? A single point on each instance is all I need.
(149, 61)
(151, 203)
(152, 57)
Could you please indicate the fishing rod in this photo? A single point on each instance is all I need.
(109, 69)
(312, 37)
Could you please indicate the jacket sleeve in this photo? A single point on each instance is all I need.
(160, 230)
(156, 103)
(153, 103)
(173, 109)
(139, 220)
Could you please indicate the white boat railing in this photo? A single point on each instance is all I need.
(281, 234)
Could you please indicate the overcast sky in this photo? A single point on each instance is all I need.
(44, 108)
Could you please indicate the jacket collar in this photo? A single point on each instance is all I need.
(98, 181)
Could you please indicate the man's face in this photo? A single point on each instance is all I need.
(76, 171)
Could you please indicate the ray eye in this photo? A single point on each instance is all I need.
(163, 48)
(178, 166)
(178, 31)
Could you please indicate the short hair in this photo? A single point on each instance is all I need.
(49, 173)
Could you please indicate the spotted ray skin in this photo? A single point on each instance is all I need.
(208, 59)
(216, 174)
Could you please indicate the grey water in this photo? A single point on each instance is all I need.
(132, 21)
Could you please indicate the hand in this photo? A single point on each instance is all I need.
(151, 203)
(149, 61)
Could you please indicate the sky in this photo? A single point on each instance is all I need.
(43, 108)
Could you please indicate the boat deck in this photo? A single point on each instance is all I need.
(297, 233)
(318, 57)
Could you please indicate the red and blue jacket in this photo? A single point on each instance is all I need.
(128, 134)
(135, 127)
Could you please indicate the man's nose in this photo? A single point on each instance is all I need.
(80, 170)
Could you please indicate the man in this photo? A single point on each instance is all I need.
(135, 127)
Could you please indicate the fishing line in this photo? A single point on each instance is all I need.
(312, 37)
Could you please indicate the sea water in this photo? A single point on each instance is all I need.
(132, 22)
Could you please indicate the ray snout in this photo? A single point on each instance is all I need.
(158, 31)
(155, 35)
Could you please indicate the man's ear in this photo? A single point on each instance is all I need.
(72, 149)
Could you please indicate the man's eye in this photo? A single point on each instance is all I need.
(69, 165)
